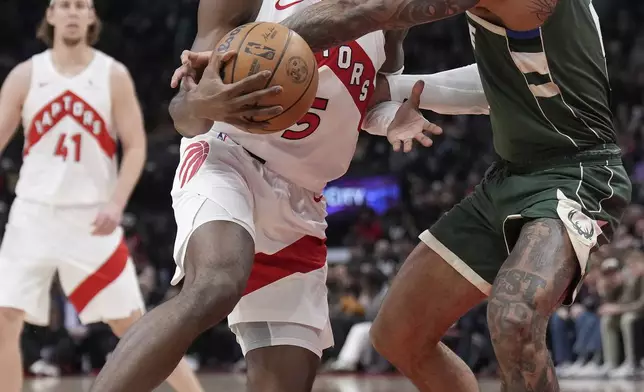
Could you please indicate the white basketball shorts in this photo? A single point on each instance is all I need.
(218, 180)
(96, 272)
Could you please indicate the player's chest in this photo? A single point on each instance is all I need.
(85, 101)
(278, 10)
(65, 113)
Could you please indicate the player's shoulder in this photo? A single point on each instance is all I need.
(22, 71)
(119, 73)
(18, 81)
(119, 70)
(120, 79)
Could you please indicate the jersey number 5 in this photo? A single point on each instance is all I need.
(61, 148)
(310, 119)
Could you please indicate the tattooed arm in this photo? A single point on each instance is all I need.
(332, 22)
(542, 9)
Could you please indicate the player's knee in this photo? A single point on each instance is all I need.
(11, 321)
(517, 329)
(378, 338)
(208, 301)
(216, 274)
(391, 339)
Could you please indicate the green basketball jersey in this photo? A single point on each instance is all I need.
(548, 88)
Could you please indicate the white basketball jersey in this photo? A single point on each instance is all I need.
(320, 146)
(70, 149)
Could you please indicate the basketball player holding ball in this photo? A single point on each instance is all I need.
(249, 208)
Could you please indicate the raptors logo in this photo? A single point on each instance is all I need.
(194, 156)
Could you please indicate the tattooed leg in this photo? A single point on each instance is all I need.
(530, 286)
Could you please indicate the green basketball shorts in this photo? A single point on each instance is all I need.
(477, 235)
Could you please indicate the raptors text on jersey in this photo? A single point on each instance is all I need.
(319, 147)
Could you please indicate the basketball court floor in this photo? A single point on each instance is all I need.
(329, 383)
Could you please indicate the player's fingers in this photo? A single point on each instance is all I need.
(179, 74)
(201, 59)
(189, 82)
(106, 227)
(250, 83)
(231, 54)
(432, 128)
(185, 56)
(407, 145)
(261, 111)
(99, 219)
(214, 65)
(416, 91)
(98, 229)
(396, 145)
(255, 96)
(424, 140)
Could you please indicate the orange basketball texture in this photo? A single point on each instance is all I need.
(270, 46)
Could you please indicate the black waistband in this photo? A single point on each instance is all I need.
(605, 154)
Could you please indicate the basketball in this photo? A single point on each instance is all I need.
(270, 46)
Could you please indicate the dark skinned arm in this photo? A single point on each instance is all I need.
(215, 19)
(332, 22)
(394, 63)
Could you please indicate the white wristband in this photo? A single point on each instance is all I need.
(378, 118)
(399, 72)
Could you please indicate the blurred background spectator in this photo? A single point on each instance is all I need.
(375, 213)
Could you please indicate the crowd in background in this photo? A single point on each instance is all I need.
(600, 335)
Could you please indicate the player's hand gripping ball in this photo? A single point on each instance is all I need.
(270, 78)
(264, 46)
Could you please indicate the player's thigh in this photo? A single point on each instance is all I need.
(450, 271)
(569, 210)
(532, 284)
(26, 272)
(99, 278)
(281, 356)
(213, 202)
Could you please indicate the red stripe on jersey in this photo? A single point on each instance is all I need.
(69, 104)
(194, 156)
(304, 255)
(355, 69)
(99, 280)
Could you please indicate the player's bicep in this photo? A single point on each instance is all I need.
(126, 110)
(12, 96)
(216, 18)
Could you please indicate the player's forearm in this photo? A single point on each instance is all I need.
(185, 120)
(457, 91)
(332, 22)
(453, 92)
(129, 174)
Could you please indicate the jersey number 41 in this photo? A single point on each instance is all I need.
(62, 146)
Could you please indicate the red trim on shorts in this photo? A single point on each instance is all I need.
(101, 278)
(304, 255)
